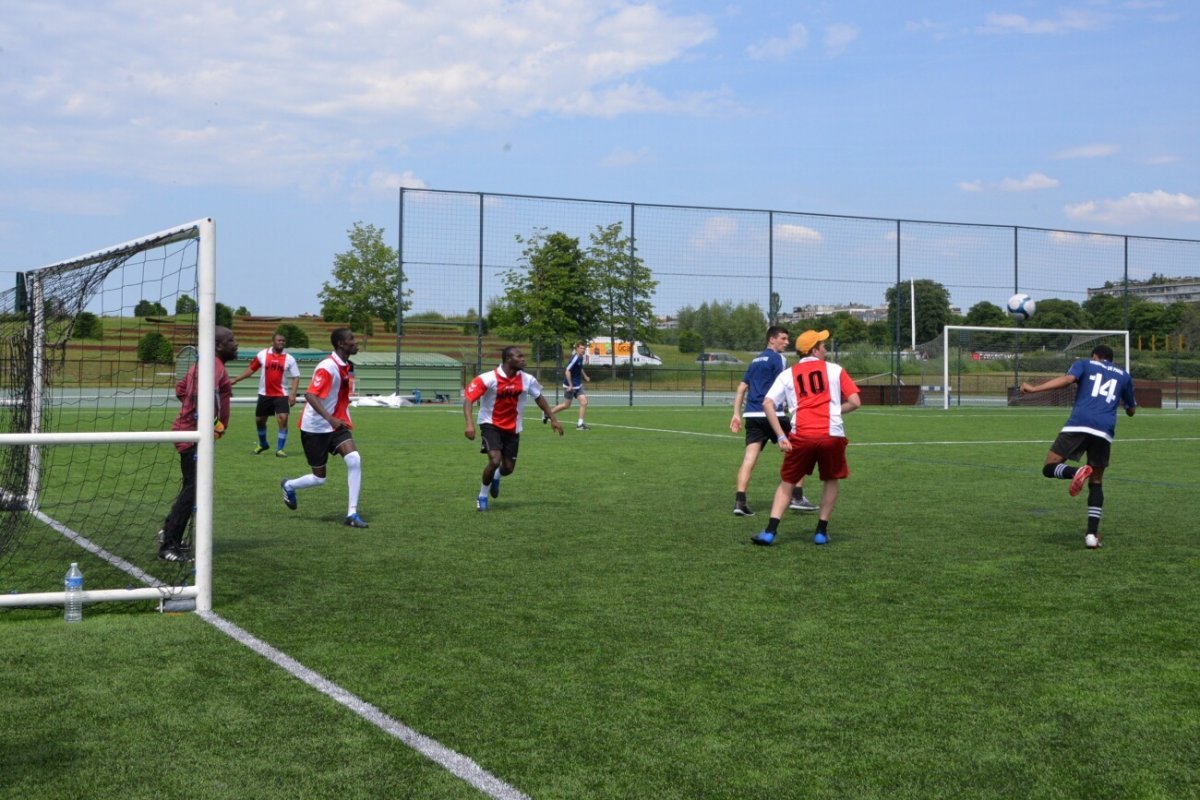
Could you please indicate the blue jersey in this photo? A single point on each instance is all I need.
(760, 374)
(1099, 386)
(575, 367)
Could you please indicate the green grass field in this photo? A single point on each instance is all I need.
(608, 631)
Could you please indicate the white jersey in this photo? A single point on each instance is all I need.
(332, 382)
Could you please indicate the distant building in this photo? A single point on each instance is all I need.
(1175, 290)
(867, 314)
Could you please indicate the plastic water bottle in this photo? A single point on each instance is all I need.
(73, 583)
(417, 396)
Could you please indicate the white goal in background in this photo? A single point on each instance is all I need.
(88, 470)
(1018, 354)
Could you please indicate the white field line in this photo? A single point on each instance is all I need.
(457, 764)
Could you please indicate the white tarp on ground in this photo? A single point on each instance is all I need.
(382, 401)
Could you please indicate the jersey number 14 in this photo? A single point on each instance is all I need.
(1104, 388)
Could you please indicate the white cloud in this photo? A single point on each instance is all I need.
(1158, 161)
(280, 87)
(1138, 207)
(1031, 182)
(1069, 20)
(838, 38)
(1087, 151)
(780, 47)
(391, 182)
(626, 158)
(716, 229)
(798, 233)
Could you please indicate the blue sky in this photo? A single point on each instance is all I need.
(289, 121)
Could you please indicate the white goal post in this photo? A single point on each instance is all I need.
(1080, 335)
(163, 267)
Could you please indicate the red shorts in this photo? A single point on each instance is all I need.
(828, 453)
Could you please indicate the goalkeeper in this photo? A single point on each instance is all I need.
(171, 547)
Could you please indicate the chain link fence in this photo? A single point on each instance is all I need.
(455, 249)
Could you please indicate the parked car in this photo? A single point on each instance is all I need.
(717, 358)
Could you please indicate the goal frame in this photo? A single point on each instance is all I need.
(987, 329)
(204, 231)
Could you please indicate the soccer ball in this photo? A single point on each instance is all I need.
(1021, 306)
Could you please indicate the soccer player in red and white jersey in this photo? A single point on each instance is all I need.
(819, 393)
(277, 366)
(501, 394)
(325, 425)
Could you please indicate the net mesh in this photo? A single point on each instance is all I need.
(103, 328)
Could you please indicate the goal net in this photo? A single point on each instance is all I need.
(88, 470)
(971, 365)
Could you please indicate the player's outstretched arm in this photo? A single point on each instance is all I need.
(1048, 386)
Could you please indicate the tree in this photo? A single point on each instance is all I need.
(987, 315)
(1105, 312)
(224, 315)
(553, 298)
(154, 348)
(724, 325)
(1060, 314)
(365, 280)
(149, 308)
(185, 305)
(933, 309)
(87, 326)
(242, 311)
(624, 285)
(293, 334)
(776, 307)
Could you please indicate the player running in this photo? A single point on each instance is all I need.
(501, 394)
(573, 379)
(325, 425)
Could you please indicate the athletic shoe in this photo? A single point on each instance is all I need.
(1093, 541)
(545, 418)
(801, 505)
(262, 448)
(821, 538)
(355, 521)
(765, 538)
(481, 503)
(582, 427)
(162, 535)
(289, 495)
(742, 510)
(280, 454)
(494, 490)
(173, 554)
(1081, 475)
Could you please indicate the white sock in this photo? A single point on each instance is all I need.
(305, 482)
(353, 479)
(483, 489)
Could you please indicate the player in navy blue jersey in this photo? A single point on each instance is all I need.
(1100, 387)
(760, 374)
(573, 380)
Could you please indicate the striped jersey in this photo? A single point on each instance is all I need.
(760, 375)
(332, 382)
(1098, 387)
(815, 390)
(502, 397)
(276, 367)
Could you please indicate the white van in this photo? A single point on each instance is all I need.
(602, 352)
